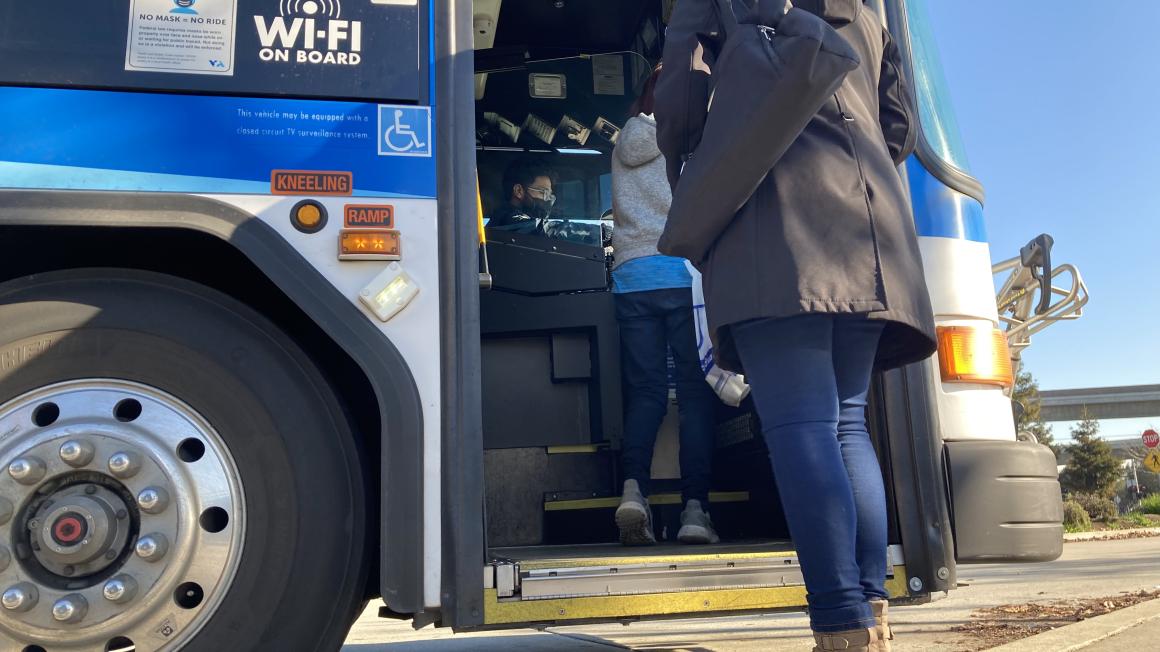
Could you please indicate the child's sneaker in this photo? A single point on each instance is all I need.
(696, 527)
(634, 518)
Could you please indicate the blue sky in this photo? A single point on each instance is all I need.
(1059, 107)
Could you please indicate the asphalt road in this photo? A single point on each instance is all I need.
(1086, 569)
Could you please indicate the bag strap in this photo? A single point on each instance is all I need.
(727, 16)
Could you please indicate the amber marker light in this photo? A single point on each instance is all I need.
(308, 216)
(974, 354)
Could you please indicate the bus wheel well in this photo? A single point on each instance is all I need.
(212, 262)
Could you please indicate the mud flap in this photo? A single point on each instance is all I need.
(1005, 499)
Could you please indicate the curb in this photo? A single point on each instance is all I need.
(1086, 632)
(1103, 534)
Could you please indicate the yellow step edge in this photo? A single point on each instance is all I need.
(896, 585)
(575, 450)
(630, 606)
(509, 612)
(655, 499)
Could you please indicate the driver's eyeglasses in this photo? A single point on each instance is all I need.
(542, 193)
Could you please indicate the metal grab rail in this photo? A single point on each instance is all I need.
(1022, 312)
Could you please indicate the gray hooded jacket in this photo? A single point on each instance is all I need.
(640, 191)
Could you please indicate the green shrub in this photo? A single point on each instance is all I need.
(1150, 505)
(1075, 517)
(1098, 507)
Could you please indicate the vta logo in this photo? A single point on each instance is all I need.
(217, 63)
(328, 8)
(183, 7)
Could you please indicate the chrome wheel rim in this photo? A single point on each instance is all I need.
(121, 518)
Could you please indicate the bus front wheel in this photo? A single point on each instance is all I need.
(174, 474)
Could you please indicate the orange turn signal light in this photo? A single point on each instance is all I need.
(973, 354)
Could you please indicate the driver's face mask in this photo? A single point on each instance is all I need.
(539, 202)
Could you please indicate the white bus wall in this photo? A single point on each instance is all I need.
(962, 292)
(414, 330)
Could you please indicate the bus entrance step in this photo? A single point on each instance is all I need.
(656, 574)
(655, 500)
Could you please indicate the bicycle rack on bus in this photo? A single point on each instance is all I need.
(1020, 312)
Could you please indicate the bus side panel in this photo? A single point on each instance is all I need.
(263, 151)
(410, 331)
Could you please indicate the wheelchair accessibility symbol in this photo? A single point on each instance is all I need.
(404, 130)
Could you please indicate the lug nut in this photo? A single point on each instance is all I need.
(120, 589)
(125, 464)
(5, 559)
(152, 547)
(20, 597)
(153, 500)
(77, 453)
(27, 470)
(6, 510)
(70, 609)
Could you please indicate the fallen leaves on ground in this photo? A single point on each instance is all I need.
(995, 626)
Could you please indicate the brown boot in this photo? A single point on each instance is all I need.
(854, 640)
(881, 626)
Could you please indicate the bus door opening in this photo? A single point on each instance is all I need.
(554, 84)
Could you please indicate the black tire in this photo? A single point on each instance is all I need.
(304, 560)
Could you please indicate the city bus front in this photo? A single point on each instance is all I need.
(245, 342)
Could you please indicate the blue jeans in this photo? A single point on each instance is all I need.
(810, 376)
(651, 324)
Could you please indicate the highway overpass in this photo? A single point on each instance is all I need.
(1128, 402)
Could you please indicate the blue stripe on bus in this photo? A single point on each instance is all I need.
(178, 142)
(941, 212)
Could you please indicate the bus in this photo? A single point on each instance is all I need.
(261, 363)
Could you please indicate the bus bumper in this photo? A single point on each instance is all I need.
(1006, 504)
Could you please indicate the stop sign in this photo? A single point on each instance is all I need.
(1151, 438)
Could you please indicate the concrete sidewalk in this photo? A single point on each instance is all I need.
(1145, 636)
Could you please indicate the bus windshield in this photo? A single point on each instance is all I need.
(936, 111)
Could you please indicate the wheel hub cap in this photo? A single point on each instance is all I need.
(75, 530)
(103, 488)
(69, 529)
